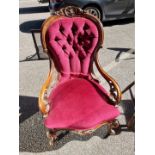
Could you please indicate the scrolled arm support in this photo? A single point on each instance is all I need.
(42, 102)
(115, 91)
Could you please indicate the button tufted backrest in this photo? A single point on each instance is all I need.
(71, 42)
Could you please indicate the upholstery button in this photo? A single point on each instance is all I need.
(85, 27)
(61, 29)
(91, 35)
(56, 39)
(74, 29)
(70, 56)
(64, 47)
(69, 39)
(74, 47)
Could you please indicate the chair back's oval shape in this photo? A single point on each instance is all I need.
(72, 41)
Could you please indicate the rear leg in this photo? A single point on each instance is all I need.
(114, 127)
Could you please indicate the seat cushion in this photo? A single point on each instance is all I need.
(79, 104)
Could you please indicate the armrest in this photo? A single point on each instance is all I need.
(42, 103)
(115, 91)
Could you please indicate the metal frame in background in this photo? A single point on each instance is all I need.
(33, 31)
(37, 54)
(131, 121)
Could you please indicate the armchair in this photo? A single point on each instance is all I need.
(77, 102)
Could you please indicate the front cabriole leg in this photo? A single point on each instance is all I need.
(52, 136)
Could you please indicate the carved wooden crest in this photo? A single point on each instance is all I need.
(70, 11)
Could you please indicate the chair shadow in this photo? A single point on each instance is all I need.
(118, 22)
(34, 57)
(33, 138)
(28, 107)
(30, 10)
(121, 51)
(33, 133)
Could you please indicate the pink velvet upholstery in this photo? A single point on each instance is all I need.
(79, 104)
(77, 101)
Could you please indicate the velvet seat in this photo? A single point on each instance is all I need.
(79, 104)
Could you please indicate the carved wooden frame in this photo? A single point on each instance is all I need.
(115, 92)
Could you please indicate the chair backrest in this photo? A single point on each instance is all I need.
(71, 41)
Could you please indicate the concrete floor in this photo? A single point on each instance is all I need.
(117, 58)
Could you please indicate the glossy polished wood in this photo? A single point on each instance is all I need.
(43, 93)
(115, 90)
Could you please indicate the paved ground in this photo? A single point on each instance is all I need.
(117, 58)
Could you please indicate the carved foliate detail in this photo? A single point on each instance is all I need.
(70, 11)
(113, 92)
